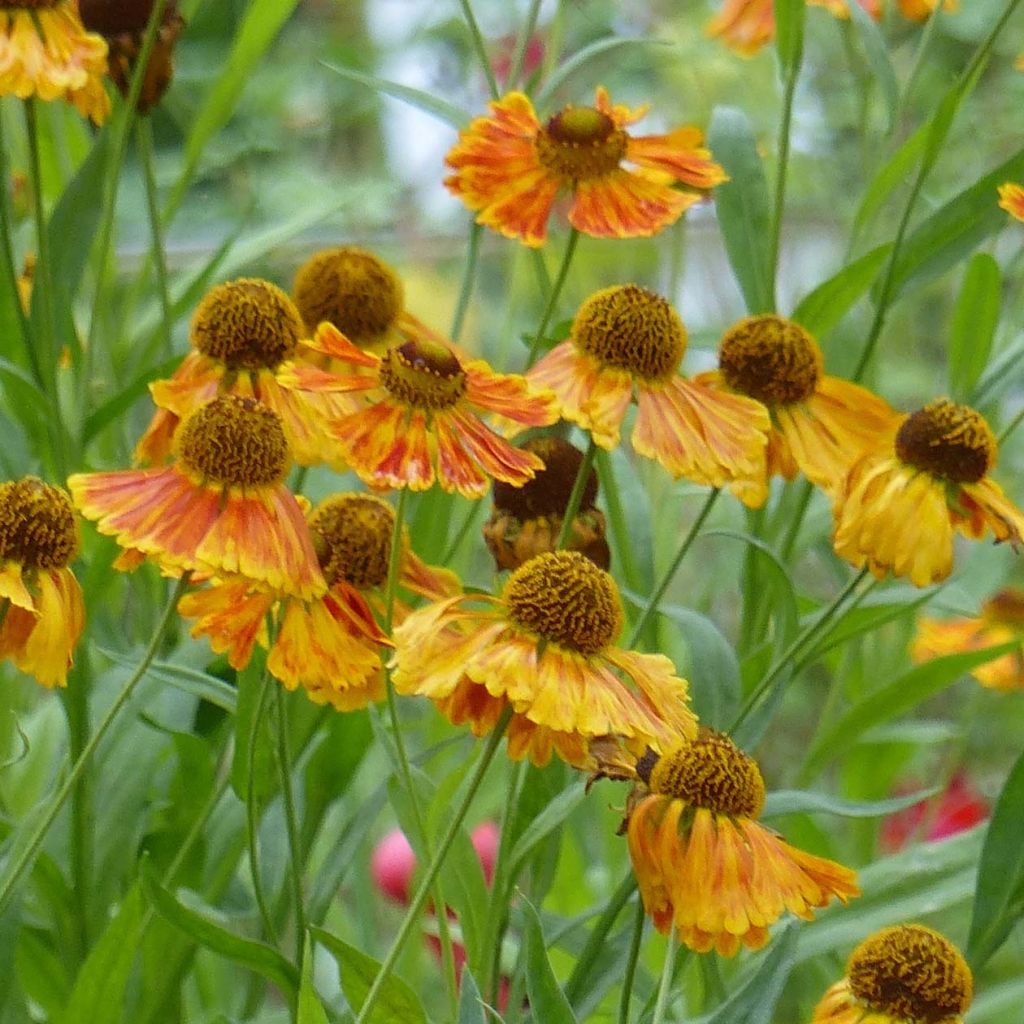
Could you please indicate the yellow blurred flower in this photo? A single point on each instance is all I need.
(1011, 196)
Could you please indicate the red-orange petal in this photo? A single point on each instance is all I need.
(680, 154)
(624, 204)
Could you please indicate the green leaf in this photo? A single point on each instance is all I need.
(952, 231)
(425, 101)
(974, 324)
(311, 1010)
(99, 988)
(471, 1004)
(900, 696)
(799, 801)
(789, 34)
(999, 896)
(546, 95)
(188, 680)
(877, 51)
(824, 307)
(549, 819)
(357, 971)
(201, 926)
(113, 407)
(754, 1002)
(253, 742)
(743, 206)
(546, 996)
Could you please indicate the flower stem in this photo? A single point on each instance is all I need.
(426, 884)
(798, 643)
(553, 296)
(252, 817)
(633, 956)
(284, 766)
(144, 142)
(576, 495)
(468, 280)
(481, 48)
(522, 44)
(666, 579)
(624, 547)
(30, 846)
(667, 971)
(402, 756)
(1011, 427)
(779, 202)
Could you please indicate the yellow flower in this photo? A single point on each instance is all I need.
(419, 422)
(220, 509)
(702, 860)
(41, 609)
(1001, 620)
(510, 169)
(527, 520)
(627, 341)
(329, 645)
(545, 648)
(244, 334)
(907, 974)
(1011, 195)
(819, 424)
(901, 503)
(46, 52)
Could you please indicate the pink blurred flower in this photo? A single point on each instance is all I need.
(959, 807)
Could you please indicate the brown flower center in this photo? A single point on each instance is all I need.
(949, 441)
(547, 494)
(580, 143)
(423, 375)
(711, 772)
(247, 324)
(235, 441)
(911, 973)
(37, 524)
(771, 359)
(565, 599)
(352, 289)
(352, 539)
(31, 5)
(1006, 607)
(112, 17)
(632, 329)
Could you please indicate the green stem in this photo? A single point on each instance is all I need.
(30, 846)
(481, 48)
(10, 270)
(523, 44)
(426, 883)
(751, 583)
(798, 643)
(793, 530)
(923, 46)
(775, 238)
(144, 142)
(598, 936)
(468, 280)
(284, 765)
(252, 815)
(624, 544)
(632, 958)
(576, 495)
(667, 970)
(462, 533)
(401, 754)
(1011, 427)
(553, 296)
(669, 575)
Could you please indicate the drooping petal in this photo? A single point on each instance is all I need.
(232, 615)
(623, 204)
(1011, 199)
(984, 506)
(680, 154)
(571, 375)
(510, 395)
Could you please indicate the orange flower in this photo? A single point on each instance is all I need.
(243, 334)
(46, 52)
(1001, 620)
(902, 501)
(41, 609)
(627, 341)
(1011, 195)
(921, 10)
(546, 649)
(819, 424)
(704, 863)
(330, 645)
(220, 509)
(907, 974)
(422, 425)
(746, 25)
(510, 168)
